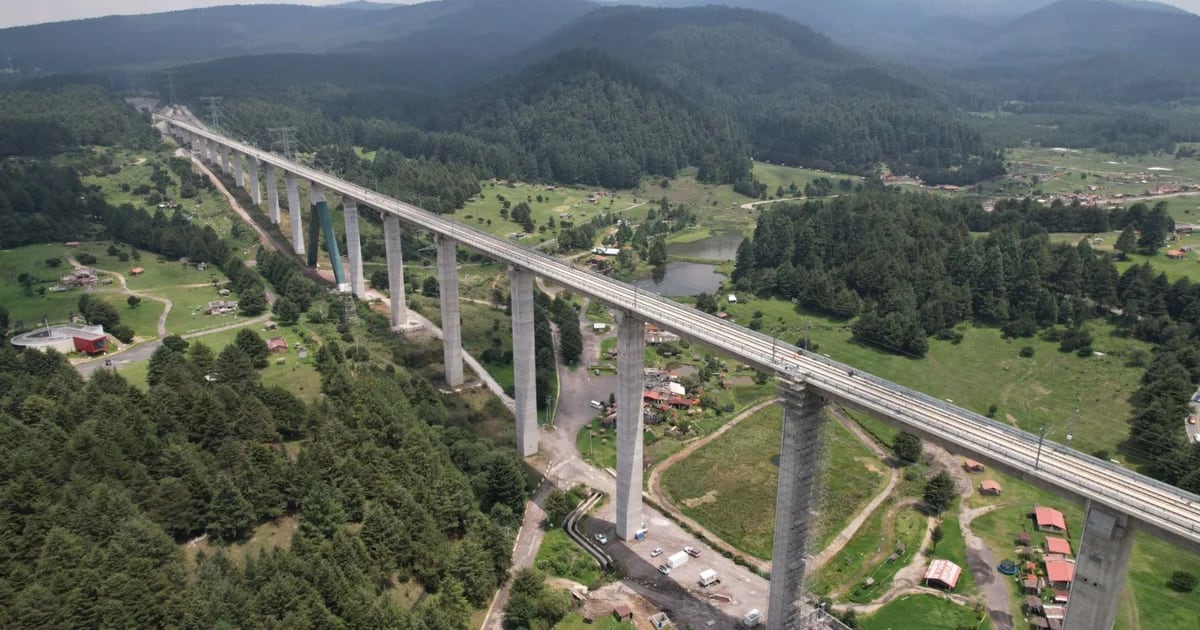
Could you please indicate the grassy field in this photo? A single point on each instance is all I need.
(776, 175)
(736, 504)
(559, 556)
(907, 527)
(984, 370)
(298, 376)
(1070, 171)
(208, 207)
(926, 612)
(1187, 267)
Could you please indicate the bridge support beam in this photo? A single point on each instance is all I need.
(211, 153)
(255, 184)
(294, 214)
(447, 262)
(354, 248)
(239, 175)
(799, 463)
(227, 160)
(1104, 549)
(272, 184)
(395, 267)
(524, 366)
(631, 374)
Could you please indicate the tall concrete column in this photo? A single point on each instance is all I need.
(1100, 566)
(799, 464)
(447, 262)
(272, 185)
(395, 267)
(239, 175)
(354, 248)
(294, 214)
(524, 367)
(226, 160)
(255, 185)
(631, 374)
(210, 152)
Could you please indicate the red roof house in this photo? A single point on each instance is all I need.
(988, 486)
(1058, 545)
(277, 345)
(1060, 573)
(1049, 519)
(137, 271)
(651, 396)
(682, 403)
(972, 466)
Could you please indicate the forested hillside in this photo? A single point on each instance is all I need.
(582, 117)
(48, 121)
(100, 481)
(799, 97)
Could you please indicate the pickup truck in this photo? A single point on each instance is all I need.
(692, 551)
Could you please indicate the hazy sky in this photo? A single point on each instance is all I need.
(20, 12)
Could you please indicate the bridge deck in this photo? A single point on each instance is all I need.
(1172, 512)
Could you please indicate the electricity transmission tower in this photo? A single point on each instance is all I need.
(287, 138)
(170, 74)
(214, 111)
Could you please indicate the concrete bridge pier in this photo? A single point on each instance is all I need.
(524, 363)
(799, 463)
(255, 184)
(239, 175)
(354, 248)
(211, 154)
(395, 266)
(631, 374)
(1100, 567)
(447, 263)
(294, 214)
(226, 160)
(272, 184)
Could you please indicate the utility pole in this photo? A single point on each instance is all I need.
(214, 111)
(287, 137)
(807, 334)
(1037, 461)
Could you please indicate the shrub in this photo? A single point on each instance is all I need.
(1026, 352)
(1182, 582)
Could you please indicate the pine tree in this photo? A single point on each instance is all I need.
(231, 517)
(253, 346)
(322, 514)
(1127, 242)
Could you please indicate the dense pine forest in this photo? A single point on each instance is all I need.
(101, 481)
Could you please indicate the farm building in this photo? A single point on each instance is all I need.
(1032, 584)
(1057, 545)
(972, 466)
(943, 574)
(1060, 573)
(277, 345)
(622, 612)
(1049, 519)
(137, 271)
(1175, 254)
(220, 307)
(80, 277)
(988, 486)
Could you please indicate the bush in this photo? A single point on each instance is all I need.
(123, 333)
(86, 259)
(1182, 582)
(1026, 352)
(949, 334)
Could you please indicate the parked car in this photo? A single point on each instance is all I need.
(601, 538)
(657, 552)
(692, 551)
(664, 569)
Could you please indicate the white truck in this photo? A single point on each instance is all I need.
(677, 560)
(708, 577)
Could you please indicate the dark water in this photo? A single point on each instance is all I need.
(720, 246)
(683, 279)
